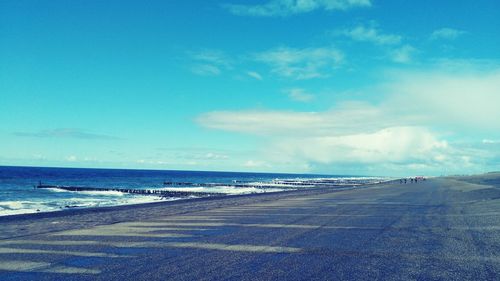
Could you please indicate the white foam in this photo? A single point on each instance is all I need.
(23, 207)
(12, 205)
(223, 189)
(104, 193)
(26, 207)
(87, 192)
(17, 212)
(55, 189)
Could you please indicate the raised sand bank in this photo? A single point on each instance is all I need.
(443, 228)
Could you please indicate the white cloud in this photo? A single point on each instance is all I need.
(370, 34)
(488, 141)
(447, 33)
(393, 144)
(214, 156)
(302, 63)
(209, 62)
(256, 164)
(205, 70)
(392, 44)
(413, 98)
(403, 54)
(39, 157)
(345, 119)
(71, 158)
(409, 126)
(260, 122)
(467, 99)
(292, 7)
(299, 95)
(215, 57)
(90, 159)
(254, 74)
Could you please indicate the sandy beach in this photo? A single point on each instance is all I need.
(441, 228)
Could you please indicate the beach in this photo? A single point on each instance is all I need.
(441, 228)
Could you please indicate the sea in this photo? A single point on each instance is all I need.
(19, 195)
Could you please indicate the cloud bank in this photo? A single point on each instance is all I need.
(409, 126)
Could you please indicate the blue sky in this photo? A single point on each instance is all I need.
(318, 86)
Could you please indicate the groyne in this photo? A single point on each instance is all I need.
(155, 192)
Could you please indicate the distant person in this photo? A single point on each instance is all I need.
(405, 181)
(411, 180)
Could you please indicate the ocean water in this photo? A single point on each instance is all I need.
(18, 194)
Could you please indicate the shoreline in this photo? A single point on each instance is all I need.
(64, 190)
(181, 199)
(43, 222)
(77, 210)
(130, 206)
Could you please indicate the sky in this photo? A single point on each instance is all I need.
(359, 87)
